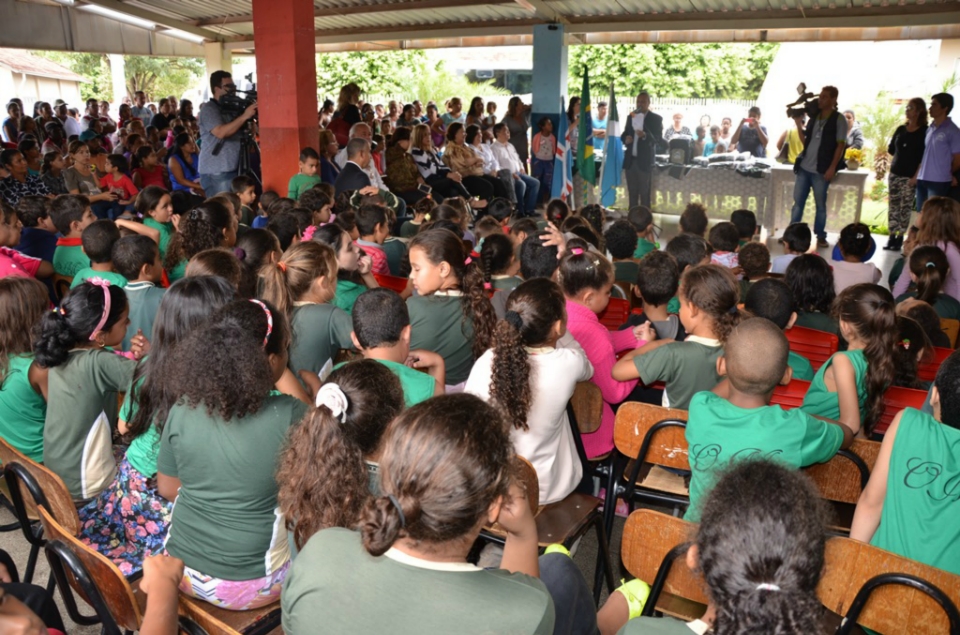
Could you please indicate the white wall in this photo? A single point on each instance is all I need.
(31, 88)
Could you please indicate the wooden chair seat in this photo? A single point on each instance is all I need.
(841, 480)
(219, 621)
(61, 285)
(560, 521)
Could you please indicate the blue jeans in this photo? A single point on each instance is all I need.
(926, 189)
(576, 614)
(527, 189)
(106, 209)
(214, 184)
(805, 181)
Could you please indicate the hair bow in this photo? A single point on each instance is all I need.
(332, 398)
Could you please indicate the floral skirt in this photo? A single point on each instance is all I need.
(128, 521)
(234, 595)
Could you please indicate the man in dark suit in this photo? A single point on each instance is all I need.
(352, 176)
(643, 131)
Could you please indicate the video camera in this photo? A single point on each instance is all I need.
(232, 105)
(806, 104)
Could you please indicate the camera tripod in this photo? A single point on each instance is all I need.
(248, 145)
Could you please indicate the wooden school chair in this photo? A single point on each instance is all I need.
(842, 479)
(816, 346)
(896, 399)
(61, 286)
(616, 314)
(951, 328)
(585, 414)
(886, 592)
(927, 371)
(790, 396)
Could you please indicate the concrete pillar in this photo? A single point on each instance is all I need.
(287, 73)
(948, 65)
(549, 73)
(119, 81)
(217, 58)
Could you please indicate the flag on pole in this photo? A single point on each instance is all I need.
(610, 173)
(586, 164)
(562, 166)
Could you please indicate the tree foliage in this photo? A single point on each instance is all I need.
(878, 121)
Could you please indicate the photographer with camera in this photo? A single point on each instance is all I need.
(824, 142)
(220, 142)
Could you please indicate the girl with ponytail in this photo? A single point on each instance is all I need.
(452, 314)
(499, 262)
(530, 381)
(929, 270)
(206, 226)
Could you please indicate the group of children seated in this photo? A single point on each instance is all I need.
(291, 431)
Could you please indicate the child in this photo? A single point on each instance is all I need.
(693, 220)
(137, 259)
(354, 275)
(656, 284)
(328, 470)
(543, 152)
(254, 249)
(796, 242)
(929, 269)
(267, 199)
(381, 331)
(754, 260)
(715, 145)
(486, 226)
(23, 382)
(116, 180)
(907, 503)
(155, 207)
(746, 223)
(529, 379)
(940, 226)
(854, 244)
(51, 173)
(98, 240)
(621, 240)
(520, 229)
(927, 318)
(596, 218)
(373, 228)
(218, 262)
(811, 281)
(12, 262)
(218, 456)
(500, 209)
(147, 171)
(708, 310)
(725, 241)
(689, 250)
(71, 214)
(38, 236)
(246, 189)
(491, 119)
(772, 299)
(498, 263)
(738, 421)
(421, 213)
(319, 203)
(586, 280)
(307, 177)
(556, 212)
(912, 347)
(451, 315)
(395, 249)
(849, 387)
(301, 284)
(642, 220)
(286, 227)
(129, 519)
(204, 227)
(77, 434)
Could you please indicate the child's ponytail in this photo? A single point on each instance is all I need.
(496, 254)
(929, 264)
(713, 290)
(288, 279)
(89, 308)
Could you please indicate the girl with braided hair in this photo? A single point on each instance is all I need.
(499, 262)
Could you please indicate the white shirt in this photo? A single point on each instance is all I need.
(371, 170)
(490, 163)
(71, 126)
(637, 119)
(507, 156)
(549, 443)
(847, 274)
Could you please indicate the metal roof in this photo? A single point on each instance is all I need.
(26, 63)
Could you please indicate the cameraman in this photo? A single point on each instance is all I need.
(824, 142)
(219, 142)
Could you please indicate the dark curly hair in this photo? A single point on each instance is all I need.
(496, 255)
(322, 474)
(223, 365)
(693, 220)
(621, 239)
(713, 290)
(74, 323)
(203, 227)
(724, 237)
(811, 280)
(755, 260)
(532, 310)
(763, 524)
(595, 216)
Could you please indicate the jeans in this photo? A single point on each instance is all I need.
(106, 209)
(926, 189)
(575, 612)
(214, 184)
(527, 189)
(805, 181)
(543, 172)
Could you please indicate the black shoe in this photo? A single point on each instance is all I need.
(891, 243)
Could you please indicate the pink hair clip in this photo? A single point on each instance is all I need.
(308, 232)
(576, 251)
(468, 260)
(487, 286)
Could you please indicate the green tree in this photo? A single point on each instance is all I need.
(878, 121)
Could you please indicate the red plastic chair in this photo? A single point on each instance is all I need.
(616, 314)
(790, 396)
(928, 370)
(896, 399)
(816, 346)
(394, 283)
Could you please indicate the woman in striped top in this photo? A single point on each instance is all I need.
(443, 180)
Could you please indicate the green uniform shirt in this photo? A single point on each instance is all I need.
(719, 433)
(226, 523)
(347, 294)
(81, 414)
(319, 332)
(300, 183)
(823, 403)
(686, 367)
(438, 325)
(919, 518)
(142, 452)
(661, 626)
(409, 229)
(505, 283)
(395, 250)
(67, 261)
(115, 279)
(626, 271)
(673, 306)
(336, 583)
(644, 247)
(166, 233)
(801, 366)
(143, 298)
(22, 410)
(818, 321)
(417, 385)
(178, 272)
(946, 306)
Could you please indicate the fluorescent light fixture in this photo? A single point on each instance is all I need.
(183, 35)
(116, 15)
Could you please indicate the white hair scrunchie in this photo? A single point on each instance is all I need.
(333, 398)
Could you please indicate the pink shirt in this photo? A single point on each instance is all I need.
(14, 263)
(601, 347)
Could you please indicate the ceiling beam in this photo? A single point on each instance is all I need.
(158, 18)
(543, 11)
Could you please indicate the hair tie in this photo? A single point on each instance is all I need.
(266, 338)
(468, 260)
(733, 310)
(105, 285)
(479, 244)
(576, 251)
(930, 264)
(308, 232)
(487, 286)
(282, 266)
(240, 253)
(905, 344)
(767, 586)
(396, 503)
(514, 319)
(331, 397)
(859, 235)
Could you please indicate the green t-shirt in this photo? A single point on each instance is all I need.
(673, 306)
(143, 450)
(417, 385)
(22, 410)
(226, 523)
(319, 332)
(818, 321)
(665, 625)
(823, 403)
(505, 283)
(300, 183)
(946, 306)
(395, 249)
(178, 272)
(166, 233)
(409, 229)
(67, 261)
(919, 518)
(336, 583)
(347, 294)
(686, 367)
(438, 325)
(81, 414)
(719, 433)
(144, 299)
(801, 366)
(626, 271)
(115, 279)
(644, 247)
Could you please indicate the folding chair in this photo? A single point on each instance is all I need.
(790, 396)
(585, 414)
(927, 371)
(394, 283)
(896, 399)
(616, 314)
(842, 479)
(951, 328)
(886, 592)
(816, 346)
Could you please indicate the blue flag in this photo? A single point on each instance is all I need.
(612, 169)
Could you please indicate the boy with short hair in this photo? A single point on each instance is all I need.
(381, 331)
(286, 228)
(12, 262)
(909, 506)
(693, 220)
(372, 226)
(621, 239)
(725, 240)
(773, 300)
(38, 238)
(642, 220)
(754, 259)
(658, 279)
(689, 250)
(520, 229)
(137, 259)
(307, 177)
(97, 242)
(71, 214)
(796, 242)
(246, 190)
(421, 212)
(735, 421)
(318, 204)
(116, 181)
(746, 224)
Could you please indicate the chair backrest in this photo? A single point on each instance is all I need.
(951, 328)
(666, 446)
(790, 396)
(61, 285)
(395, 283)
(842, 478)
(90, 569)
(927, 371)
(527, 474)
(57, 495)
(890, 609)
(616, 314)
(587, 404)
(816, 346)
(896, 399)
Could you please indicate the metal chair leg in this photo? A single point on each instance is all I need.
(31, 563)
(604, 566)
